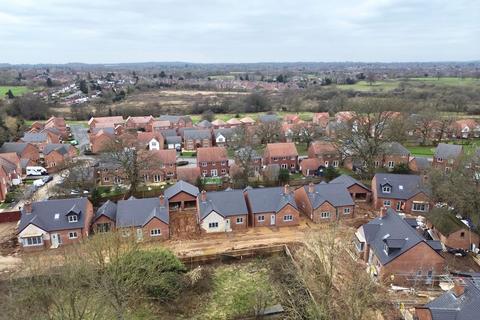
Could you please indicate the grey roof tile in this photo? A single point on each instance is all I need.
(334, 193)
(270, 199)
(448, 151)
(225, 203)
(348, 181)
(108, 209)
(403, 186)
(179, 187)
(138, 212)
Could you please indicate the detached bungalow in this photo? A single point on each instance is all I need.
(182, 195)
(325, 202)
(358, 190)
(51, 223)
(222, 211)
(105, 218)
(396, 252)
(146, 219)
(272, 207)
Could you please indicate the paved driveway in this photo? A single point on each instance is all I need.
(80, 133)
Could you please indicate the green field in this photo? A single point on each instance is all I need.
(16, 90)
(388, 85)
(469, 148)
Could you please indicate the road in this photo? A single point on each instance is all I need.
(80, 133)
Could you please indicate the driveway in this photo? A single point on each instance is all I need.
(80, 133)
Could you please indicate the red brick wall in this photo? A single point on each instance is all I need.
(355, 189)
(420, 257)
(156, 224)
(287, 210)
(280, 161)
(235, 226)
(213, 165)
(455, 240)
(10, 216)
(31, 152)
(101, 220)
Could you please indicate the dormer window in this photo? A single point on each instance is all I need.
(73, 218)
(385, 248)
(386, 189)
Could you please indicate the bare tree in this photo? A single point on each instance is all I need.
(362, 137)
(268, 132)
(426, 123)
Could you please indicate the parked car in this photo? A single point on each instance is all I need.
(38, 183)
(36, 171)
(457, 252)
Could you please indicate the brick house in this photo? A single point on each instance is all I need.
(196, 138)
(393, 154)
(105, 122)
(4, 183)
(158, 125)
(39, 140)
(22, 149)
(325, 202)
(321, 119)
(326, 152)
(182, 195)
(51, 223)
(219, 124)
(358, 191)
(452, 231)
(163, 167)
(247, 121)
(284, 154)
(222, 211)
(222, 137)
(105, 218)
(56, 154)
(138, 123)
(405, 193)
(150, 140)
(213, 161)
(101, 140)
(54, 124)
(274, 207)
(465, 129)
(145, 219)
(250, 155)
(234, 123)
(10, 173)
(311, 167)
(292, 118)
(447, 156)
(396, 252)
(177, 121)
(108, 173)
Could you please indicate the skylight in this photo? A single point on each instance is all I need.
(57, 216)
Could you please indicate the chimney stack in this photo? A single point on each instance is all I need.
(286, 189)
(203, 196)
(162, 200)
(458, 287)
(383, 212)
(27, 207)
(311, 187)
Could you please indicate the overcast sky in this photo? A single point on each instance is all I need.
(108, 31)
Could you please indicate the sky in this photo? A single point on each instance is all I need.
(115, 31)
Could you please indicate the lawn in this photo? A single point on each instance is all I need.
(385, 85)
(16, 90)
(236, 290)
(421, 151)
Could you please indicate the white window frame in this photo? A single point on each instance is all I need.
(287, 218)
(325, 214)
(155, 232)
(204, 164)
(424, 204)
(261, 218)
(212, 225)
(387, 203)
(157, 178)
(346, 211)
(33, 243)
(239, 220)
(386, 189)
(391, 164)
(72, 218)
(335, 163)
(284, 166)
(214, 173)
(72, 235)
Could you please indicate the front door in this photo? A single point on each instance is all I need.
(272, 220)
(55, 240)
(139, 234)
(227, 225)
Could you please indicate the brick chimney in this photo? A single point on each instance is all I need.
(458, 287)
(162, 200)
(425, 178)
(383, 212)
(286, 189)
(27, 207)
(311, 187)
(203, 196)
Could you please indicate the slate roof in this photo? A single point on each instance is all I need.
(394, 148)
(448, 151)
(348, 181)
(174, 119)
(16, 147)
(62, 148)
(204, 124)
(334, 193)
(51, 215)
(179, 187)
(108, 209)
(270, 199)
(197, 134)
(168, 132)
(225, 203)
(393, 231)
(34, 137)
(422, 163)
(138, 212)
(465, 307)
(268, 118)
(173, 139)
(403, 186)
(445, 221)
(226, 132)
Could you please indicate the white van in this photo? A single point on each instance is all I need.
(36, 171)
